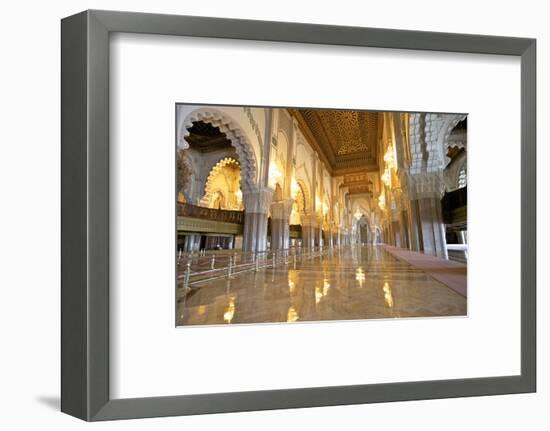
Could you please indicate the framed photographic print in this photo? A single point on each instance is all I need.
(264, 215)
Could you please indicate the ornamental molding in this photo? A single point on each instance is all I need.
(426, 185)
(281, 210)
(258, 200)
(191, 224)
(438, 130)
(208, 187)
(452, 172)
(234, 133)
(254, 125)
(429, 140)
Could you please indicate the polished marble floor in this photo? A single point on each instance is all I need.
(348, 284)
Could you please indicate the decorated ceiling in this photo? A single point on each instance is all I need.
(347, 139)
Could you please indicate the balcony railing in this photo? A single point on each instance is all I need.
(227, 216)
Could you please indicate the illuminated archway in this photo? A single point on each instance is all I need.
(222, 189)
(234, 133)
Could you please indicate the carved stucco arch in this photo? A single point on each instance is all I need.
(234, 133)
(208, 187)
(429, 140)
(438, 130)
(452, 172)
(305, 192)
(281, 131)
(444, 142)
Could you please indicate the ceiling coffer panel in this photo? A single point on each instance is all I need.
(346, 138)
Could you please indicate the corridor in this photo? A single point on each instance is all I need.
(346, 283)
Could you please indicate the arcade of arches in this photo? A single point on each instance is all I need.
(387, 186)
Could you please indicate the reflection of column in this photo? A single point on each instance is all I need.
(404, 225)
(414, 225)
(256, 206)
(280, 215)
(319, 232)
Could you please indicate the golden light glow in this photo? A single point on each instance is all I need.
(230, 310)
(291, 282)
(292, 315)
(291, 286)
(382, 201)
(275, 174)
(318, 203)
(239, 195)
(326, 287)
(294, 188)
(388, 297)
(318, 295)
(386, 177)
(360, 276)
(389, 157)
(201, 309)
(358, 214)
(325, 208)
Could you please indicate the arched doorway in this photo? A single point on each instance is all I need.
(223, 165)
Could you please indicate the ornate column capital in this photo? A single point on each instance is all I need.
(426, 185)
(258, 200)
(281, 209)
(309, 219)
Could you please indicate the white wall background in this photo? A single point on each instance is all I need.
(29, 220)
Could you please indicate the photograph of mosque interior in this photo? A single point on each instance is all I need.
(307, 214)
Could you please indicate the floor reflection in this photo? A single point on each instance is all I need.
(353, 283)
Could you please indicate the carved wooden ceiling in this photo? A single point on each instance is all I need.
(204, 137)
(347, 139)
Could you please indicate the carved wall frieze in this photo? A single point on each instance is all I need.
(426, 185)
(429, 140)
(254, 125)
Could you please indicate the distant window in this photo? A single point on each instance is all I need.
(462, 181)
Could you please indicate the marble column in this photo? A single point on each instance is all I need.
(415, 227)
(256, 207)
(433, 228)
(280, 216)
(308, 230)
(425, 191)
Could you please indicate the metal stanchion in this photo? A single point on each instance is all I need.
(213, 261)
(187, 274)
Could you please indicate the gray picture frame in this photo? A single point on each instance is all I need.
(85, 214)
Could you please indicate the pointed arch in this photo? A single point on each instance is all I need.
(210, 192)
(234, 133)
(302, 184)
